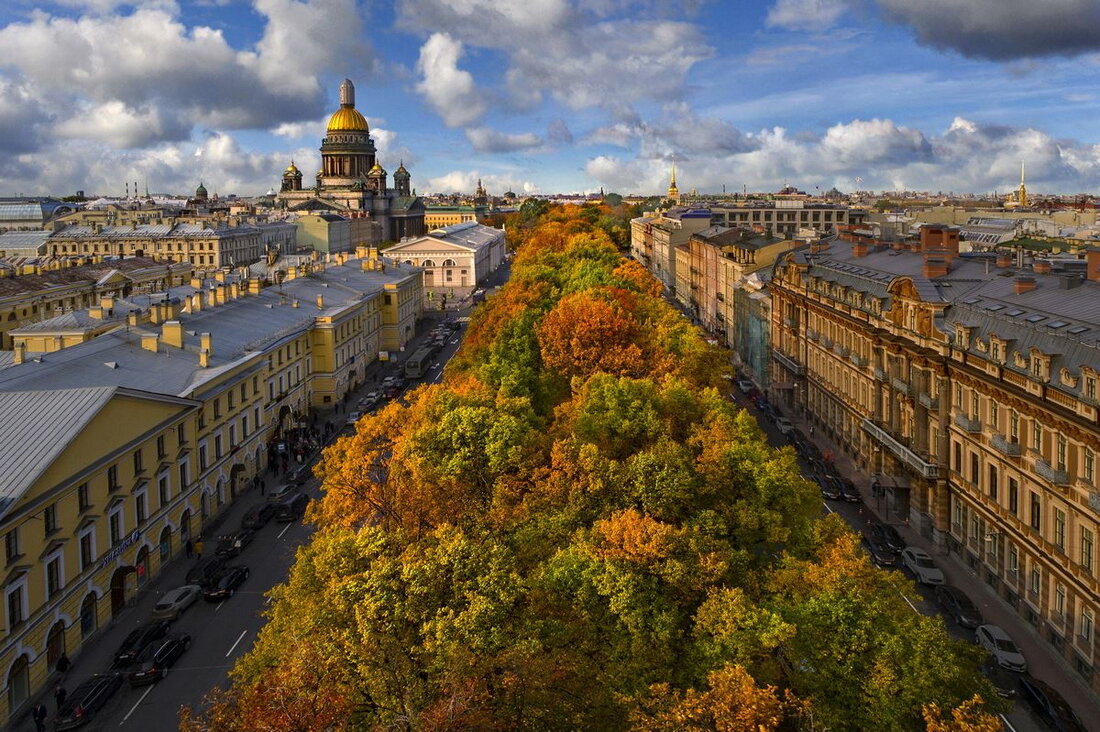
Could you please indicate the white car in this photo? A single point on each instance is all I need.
(353, 417)
(745, 385)
(172, 603)
(784, 425)
(1000, 646)
(921, 565)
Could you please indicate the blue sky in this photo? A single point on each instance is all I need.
(555, 95)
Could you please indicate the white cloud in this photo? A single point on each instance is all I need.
(122, 127)
(448, 89)
(806, 15)
(488, 140)
(465, 181)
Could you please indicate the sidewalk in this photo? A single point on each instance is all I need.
(1043, 662)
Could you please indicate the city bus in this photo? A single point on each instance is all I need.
(418, 363)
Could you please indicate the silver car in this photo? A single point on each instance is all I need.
(921, 565)
(1000, 646)
(172, 603)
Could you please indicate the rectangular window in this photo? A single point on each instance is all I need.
(53, 576)
(1014, 427)
(16, 611)
(975, 475)
(229, 400)
(183, 477)
(1060, 600)
(11, 545)
(1061, 454)
(181, 434)
(1036, 436)
(139, 462)
(1060, 528)
(1013, 559)
(82, 497)
(1035, 581)
(244, 425)
(958, 457)
(1090, 388)
(49, 519)
(162, 450)
(1089, 460)
(1086, 625)
(140, 509)
(994, 482)
(217, 408)
(1014, 496)
(243, 394)
(164, 489)
(114, 522)
(994, 415)
(87, 549)
(1036, 513)
(975, 406)
(217, 447)
(202, 457)
(232, 436)
(1086, 550)
(112, 478)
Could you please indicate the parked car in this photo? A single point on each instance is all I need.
(369, 402)
(82, 703)
(258, 516)
(745, 386)
(889, 536)
(391, 391)
(299, 475)
(172, 603)
(206, 571)
(957, 606)
(157, 658)
(848, 491)
(231, 545)
(881, 554)
(784, 426)
(921, 565)
(353, 417)
(1004, 683)
(1050, 705)
(227, 584)
(829, 488)
(1007, 654)
(138, 638)
(294, 507)
(279, 494)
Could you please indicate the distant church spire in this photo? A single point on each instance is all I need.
(673, 191)
(1021, 197)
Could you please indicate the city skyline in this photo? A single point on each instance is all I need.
(552, 96)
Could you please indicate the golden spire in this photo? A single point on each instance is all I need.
(673, 191)
(1021, 197)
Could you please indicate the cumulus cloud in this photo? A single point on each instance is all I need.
(123, 127)
(966, 156)
(465, 181)
(22, 117)
(805, 15)
(558, 133)
(488, 140)
(448, 89)
(1002, 29)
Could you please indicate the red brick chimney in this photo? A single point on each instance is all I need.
(935, 265)
(943, 240)
(859, 249)
(1004, 260)
(1024, 284)
(1093, 259)
(818, 246)
(1040, 266)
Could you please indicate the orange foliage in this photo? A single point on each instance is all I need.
(967, 717)
(583, 335)
(633, 272)
(635, 537)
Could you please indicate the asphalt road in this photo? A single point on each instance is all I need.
(922, 599)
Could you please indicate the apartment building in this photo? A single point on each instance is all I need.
(654, 238)
(205, 243)
(785, 217)
(967, 385)
(115, 450)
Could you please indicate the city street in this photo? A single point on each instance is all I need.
(222, 632)
(1042, 663)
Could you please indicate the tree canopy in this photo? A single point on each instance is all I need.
(577, 530)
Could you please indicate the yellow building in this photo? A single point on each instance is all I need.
(204, 243)
(117, 449)
(436, 217)
(970, 388)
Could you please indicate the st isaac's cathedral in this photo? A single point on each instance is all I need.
(351, 182)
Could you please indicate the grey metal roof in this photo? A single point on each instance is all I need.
(37, 427)
(468, 234)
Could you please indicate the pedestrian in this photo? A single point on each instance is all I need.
(198, 548)
(263, 486)
(63, 665)
(188, 549)
(811, 430)
(39, 715)
(59, 696)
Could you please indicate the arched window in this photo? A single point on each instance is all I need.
(55, 643)
(185, 526)
(409, 262)
(427, 263)
(18, 684)
(88, 617)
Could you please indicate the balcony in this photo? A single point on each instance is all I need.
(928, 401)
(923, 467)
(1057, 477)
(968, 423)
(812, 334)
(840, 350)
(790, 322)
(858, 361)
(789, 363)
(880, 374)
(1002, 445)
(827, 341)
(899, 385)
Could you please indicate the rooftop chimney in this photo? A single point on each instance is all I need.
(149, 342)
(1092, 256)
(172, 333)
(320, 302)
(1040, 266)
(132, 318)
(254, 286)
(1004, 260)
(95, 312)
(20, 353)
(212, 297)
(1024, 284)
(860, 249)
(935, 265)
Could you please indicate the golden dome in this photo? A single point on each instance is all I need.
(377, 169)
(292, 168)
(347, 119)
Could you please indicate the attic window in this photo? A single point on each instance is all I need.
(995, 307)
(1014, 313)
(1078, 329)
(1057, 324)
(1035, 318)
(971, 300)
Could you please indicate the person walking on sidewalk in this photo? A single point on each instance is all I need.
(811, 430)
(59, 694)
(39, 716)
(188, 549)
(198, 547)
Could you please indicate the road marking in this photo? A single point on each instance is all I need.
(910, 604)
(1005, 722)
(235, 643)
(219, 607)
(280, 536)
(134, 708)
(826, 505)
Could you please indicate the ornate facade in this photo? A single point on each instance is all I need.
(351, 181)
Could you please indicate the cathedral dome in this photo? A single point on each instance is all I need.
(292, 168)
(347, 119)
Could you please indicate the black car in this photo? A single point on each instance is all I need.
(82, 703)
(1004, 682)
(227, 584)
(258, 516)
(206, 571)
(881, 554)
(139, 638)
(157, 658)
(889, 536)
(849, 492)
(231, 545)
(294, 507)
(830, 487)
(1050, 705)
(957, 606)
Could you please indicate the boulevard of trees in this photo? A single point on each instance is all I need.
(576, 530)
